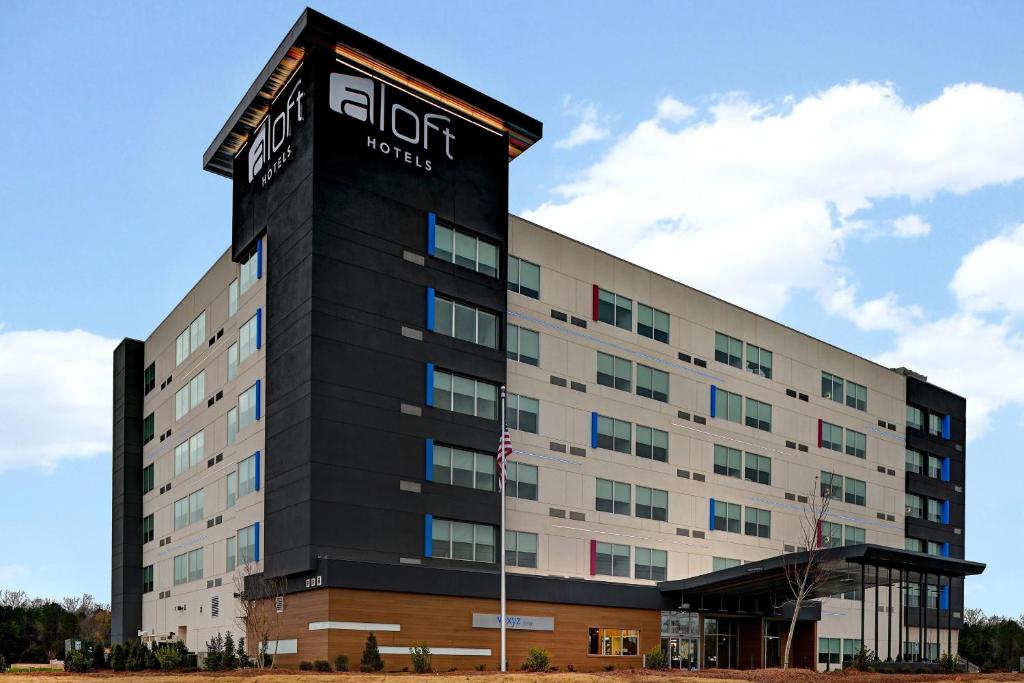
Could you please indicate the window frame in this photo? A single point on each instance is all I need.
(615, 552)
(722, 461)
(447, 322)
(758, 422)
(763, 475)
(517, 354)
(653, 496)
(653, 330)
(615, 380)
(725, 354)
(831, 392)
(758, 527)
(485, 474)
(657, 452)
(517, 286)
(614, 504)
(513, 482)
(733, 517)
(645, 564)
(512, 543)
(453, 256)
(653, 375)
(477, 398)
(757, 366)
(515, 413)
(618, 318)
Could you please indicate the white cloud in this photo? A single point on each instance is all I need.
(884, 313)
(911, 225)
(55, 397)
(753, 200)
(671, 109)
(991, 276)
(591, 127)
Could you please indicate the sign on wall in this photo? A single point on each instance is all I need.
(514, 622)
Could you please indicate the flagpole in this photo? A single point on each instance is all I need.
(501, 558)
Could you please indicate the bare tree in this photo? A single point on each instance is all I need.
(12, 598)
(257, 614)
(807, 576)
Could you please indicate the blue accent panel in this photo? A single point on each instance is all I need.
(259, 328)
(945, 469)
(714, 395)
(428, 536)
(711, 515)
(593, 430)
(256, 549)
(258, 383)
(259, 259)
(945, 427)
(945, 512)
(430, 308)
(944, 597)
(257, 454)
(944, 551)
(429, 456)
(430, 384)
(431, 233)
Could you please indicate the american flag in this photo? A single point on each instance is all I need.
(504, 450)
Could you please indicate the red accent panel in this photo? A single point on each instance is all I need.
(818, 533)
(593, 557)
(596, 299)
(819, 436)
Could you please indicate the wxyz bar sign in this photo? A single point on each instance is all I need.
(514, 622)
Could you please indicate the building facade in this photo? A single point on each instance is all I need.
(323, 408)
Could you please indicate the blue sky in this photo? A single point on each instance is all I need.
(819, 148)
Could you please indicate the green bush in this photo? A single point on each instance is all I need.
(305, 666)
(862, 660)
(214, 653)
(341, 663)
(321, 665)
(420, 658)
(948, 663)
(117, 657)
(229, 660)
(98, 660)
(75, 661)
(169, 657)
(371, 660)
(537, 660)
(656, 659)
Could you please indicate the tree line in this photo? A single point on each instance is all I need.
(34, 629)
(993, 643)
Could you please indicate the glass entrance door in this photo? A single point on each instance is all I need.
(773, 644)
(680, 633)
(681, 652)
(720, 646)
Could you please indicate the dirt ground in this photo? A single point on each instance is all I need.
(760, 676)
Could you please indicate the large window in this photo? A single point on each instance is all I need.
(465, 322)
(522, 480)
(612, 496)
(651, 564)
(520, 549)
(232, 420)
(856, 396)
(463, 467)
(856, 491)
(614, 642)
(149, 379)
(934, 467)
(148, 428)
(651, 443)
(828, 651)
(523, 277)
(729, 406)
(465, 395)
(522, 413)
(181, 403)
(832, 387)
(466, 250)
(247, 407)
(935, 424)
(247, 543)
(190, 452)
(247, 339)
(854, 535)
(851, 646)
(147, 529)
(233, 297)
(728, 461)
(614, 309)
(759, 415)
(148, 479)
(247, 475)
(231, 554)
(189, 510)
(757, 522)
(831, 436)
(462, 541)
(720, 563)
(759, 361)
(727, 517)
(651, 503)
(831, 535)
(248, 269)
(523, 345)
(915, 418)
(188, 567)
(650, 322)
(612, 560)
(856, 444)
(915, 462)
(614, 372)
(615, 435)
(190, 340)
(231, 485)
(652, 383)
(758, 469)
(181, 457)
(914, 506)
(233, 361)
(147, 579)
(728, 350)
(831, 486)
(934, 510)
(197, 390)
(181, 348)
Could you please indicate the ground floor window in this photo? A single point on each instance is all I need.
(851, 646)
(828, 651)
(614, 642)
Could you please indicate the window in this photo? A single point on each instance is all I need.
(520, 549)
(934, 467)
(913, 544)
(828, 651)
(650, 322)
(832, 386)
(614, 642)
(856, 491)
(758, 469)
(915, 418)
(614, 372)
(651, 443)
(854, 535)
(652, 503)
(181, 457)
(856, 396)
(523, 277)
(466, 250)
(248, 269)
(180, 569)
(232, 361)
(247, 475)
(232, 553)
(462, 541)
(851, 646)
(612, 560)
(149, 379)
(915, 462)
(233, 297)
(856, 444)
(727, 517)
(232, 418)
(523, 345)
(197, 389)
(148, 428)
(615, 435)
(612, 496)
(831, 436)
(759, 415)
(759, 361)
(728, 350)
(246, 408)
(466, 395)
(465, 322)
(831, 535)
(197, 331)
(935, 424)
(651, 383)
(729, 406)
(462, 467)
(650, 564)
(232, 488)
(727, 461)
(614, 309)
(147, 529)
(522, 480)
(196, 448)
(934, 510)
(181, 403)
(720, 563)
(188, 567)
(181, 348)
(247, 339)
(148, 479)
(933, 548)
(189, 510)
(831, 486)
(522, 413)
(914, 506)
(757, 522)
(147, 579)
(913, 595)
(246, 544)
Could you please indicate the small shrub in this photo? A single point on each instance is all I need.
(420, 658)
(321, 665)
(537, 660)
(366, 668)
(656, 659)
(450, 669)
(371, 655)
(570, 667)
(862, 659)
(241, 655)
(480, 667)
(305, 666)
(609, 667)
(117, 657)
(169, 657)
(948, 663)
(75, 661)
(98, 660)
(229, 660)
(341, 663)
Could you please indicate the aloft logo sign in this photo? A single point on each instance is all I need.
(413, 136)
(270, 148)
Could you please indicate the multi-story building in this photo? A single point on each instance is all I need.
(323, 409)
